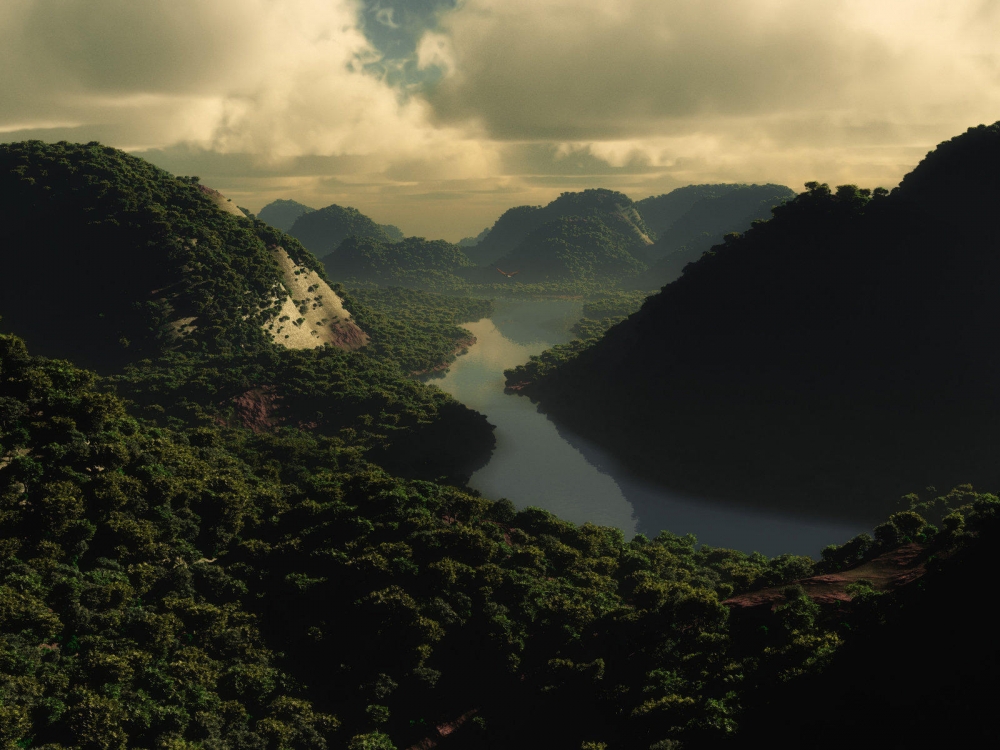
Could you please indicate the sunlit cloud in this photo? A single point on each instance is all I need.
(437, 115)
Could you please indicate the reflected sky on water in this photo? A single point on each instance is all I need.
(537, 464)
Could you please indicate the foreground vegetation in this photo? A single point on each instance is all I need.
(215, 587)
(219, 543)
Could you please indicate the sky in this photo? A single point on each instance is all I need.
(438, 115)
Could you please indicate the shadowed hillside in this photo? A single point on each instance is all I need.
(321, 231)
(508, 239)
(838, 353)
(281, 214)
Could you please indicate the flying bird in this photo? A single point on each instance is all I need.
(508, 275)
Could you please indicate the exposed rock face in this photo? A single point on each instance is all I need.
(312, 314)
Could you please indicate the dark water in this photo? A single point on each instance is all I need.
(537, 464)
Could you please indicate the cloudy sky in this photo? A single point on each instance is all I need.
(437, 115)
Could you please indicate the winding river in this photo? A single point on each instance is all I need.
(536, 463)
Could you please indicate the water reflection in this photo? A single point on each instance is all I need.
(536, 463)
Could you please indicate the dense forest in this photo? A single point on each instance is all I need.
(828, 359)
(587, 243)
(688, 221)
(322, 231)
(212, 541)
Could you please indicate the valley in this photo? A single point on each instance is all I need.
(540, 463)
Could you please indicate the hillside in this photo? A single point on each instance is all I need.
(281, 214)
(139, 262)
(201, 314)
(660, 211)
(576, 248)
(321, 231)
(837, 352)
(412, 263)
(169, 586)
(510, 232)
(696, 225)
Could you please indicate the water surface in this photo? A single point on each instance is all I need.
(536, 463)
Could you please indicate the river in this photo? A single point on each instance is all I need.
(536, 463)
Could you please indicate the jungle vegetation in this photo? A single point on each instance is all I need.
(841, 346)
(208, 541)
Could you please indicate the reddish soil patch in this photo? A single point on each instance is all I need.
(346, 335)
(517, 386)
(444, 730)
(255, 409)
(886, 572)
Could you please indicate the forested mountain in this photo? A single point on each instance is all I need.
(698, 219)
(281, 214)
(660, 211)
(108, 259)
(414, 263)
(322, 230)
(510, 232)
(212, 312)
(829, 358)
(578, 248)
(466, 242)
(394, 233)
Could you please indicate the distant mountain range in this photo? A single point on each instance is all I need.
(596, 235)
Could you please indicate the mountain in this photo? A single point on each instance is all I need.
(699, 220)
(467, 242)
(322, 230)
(614, 209)
(660, 211)
(199, 314)
(414, 262)
(281, 214)
(575, 248)
(394, 233)
(839, 352)
(228, 543)
(137, 262)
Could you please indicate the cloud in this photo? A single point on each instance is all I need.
(590, 70)
(437, 115)
(274, 79)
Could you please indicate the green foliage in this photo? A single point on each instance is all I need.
(418, 330)
(180, 582)
(122, 249)
(412, 262)
(863, 310)
(323, 230)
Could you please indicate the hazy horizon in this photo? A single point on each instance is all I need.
(438, 115)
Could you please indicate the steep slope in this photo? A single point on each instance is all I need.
(321, 231)
(515, 226)
(281, 214)
(311, 313)
(838, 352)
(139, 262)
(660, 211)
(576, 248)
(722, 209)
